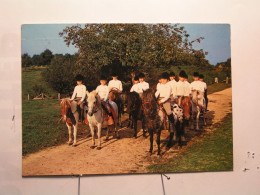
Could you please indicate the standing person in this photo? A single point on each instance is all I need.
(79, 95)
(135, 84)
(204, 86)
(115, 84)
(173, 85)
(163, 93)
(142, 85)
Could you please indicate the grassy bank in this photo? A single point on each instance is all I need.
(40, 125)
(212, 152)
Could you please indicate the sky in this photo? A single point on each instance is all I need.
(38, 37)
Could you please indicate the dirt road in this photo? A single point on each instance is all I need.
(126, 155)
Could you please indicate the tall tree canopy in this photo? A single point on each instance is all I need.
(138, 46)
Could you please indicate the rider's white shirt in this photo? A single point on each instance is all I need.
(79, 91)
(103, 92)
(173, 85)
(158, 86)
(204, 85)
(164, 91)
(142, 86)
(115, 84)
(197, 85)
(183, 88)
(134, 88)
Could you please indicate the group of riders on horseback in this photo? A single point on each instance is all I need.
(169, 98)
(168, 90)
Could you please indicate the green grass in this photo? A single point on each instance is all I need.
(217, 87)
(212, 152)
(32, 76)
(40, 125)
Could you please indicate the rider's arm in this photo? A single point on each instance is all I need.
(84, 90)
(107, 93)
(120, 87)
(74, 94)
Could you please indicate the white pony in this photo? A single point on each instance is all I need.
(198, 106)
(71, 116)
(95, 117)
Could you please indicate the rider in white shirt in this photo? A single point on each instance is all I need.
(103, 92)
(173, 85)
(204, 85)
(134, 88)
(197, 84)
(115, 84)
(142, 85)
(79, 95)
(183, 87)
(163, 93)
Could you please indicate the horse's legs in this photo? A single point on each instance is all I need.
(108, 128)
(158, 141)
(181, 126)
(143, 126)
(70, 133)
(197, 120)
(99, 126)
(151, 141)
(135, 127)
(75, 127)
(92, 130)
(170, 140)
(204, 119)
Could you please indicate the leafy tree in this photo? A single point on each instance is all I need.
(46, 57)
(26, 60)
(137, 46)
(61, 73)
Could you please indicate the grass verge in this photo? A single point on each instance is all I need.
(212, 152)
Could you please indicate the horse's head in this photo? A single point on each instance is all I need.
(149, 103)
(65, 106)
(186, 106)
(94, 102)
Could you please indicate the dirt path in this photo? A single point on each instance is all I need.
(126, 155)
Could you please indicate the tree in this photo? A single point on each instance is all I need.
(61, 73)
(26, 60)
(46, 57)
(136, 46)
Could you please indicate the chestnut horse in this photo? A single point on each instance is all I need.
(70, 115)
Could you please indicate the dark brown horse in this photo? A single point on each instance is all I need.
(134, 109)
(153, 118)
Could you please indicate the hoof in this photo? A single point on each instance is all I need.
(74, 145)
(106, 139)
(69, 143)
(158, 154)
(92, 147)
(118, 137)
(99, 148)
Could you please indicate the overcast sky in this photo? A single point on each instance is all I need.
(38, 37)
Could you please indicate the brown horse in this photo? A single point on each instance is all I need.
(134, 109)
(115, 96)
(153, 118)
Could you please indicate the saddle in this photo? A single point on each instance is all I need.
(110, 119)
